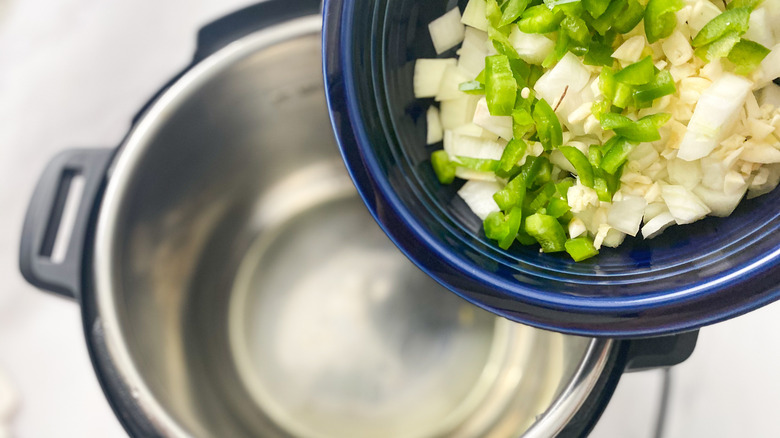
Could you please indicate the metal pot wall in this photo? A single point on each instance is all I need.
(232, 283)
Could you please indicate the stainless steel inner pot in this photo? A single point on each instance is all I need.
(244, 290)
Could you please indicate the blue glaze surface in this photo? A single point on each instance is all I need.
(688, 277)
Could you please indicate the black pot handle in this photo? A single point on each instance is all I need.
(69, 174)
(229, 28)
(660, 352)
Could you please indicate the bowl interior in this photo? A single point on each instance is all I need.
(682, 256)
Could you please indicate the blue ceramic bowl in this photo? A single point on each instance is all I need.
(688, 277)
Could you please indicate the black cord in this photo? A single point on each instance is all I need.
(663, 408)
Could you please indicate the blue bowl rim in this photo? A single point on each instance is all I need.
(353, 140)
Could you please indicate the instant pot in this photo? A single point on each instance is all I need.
(232, 283)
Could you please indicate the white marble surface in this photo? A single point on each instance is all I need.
(73, 72)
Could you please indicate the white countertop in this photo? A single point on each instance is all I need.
(73, 73)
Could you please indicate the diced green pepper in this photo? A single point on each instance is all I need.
(638, 73)
(530, 170)
(599, 53)
(512, 195)
(540, 19)
(547, 231)
(513, 152)
(581, 248)
(600, 107)
(630, 17)
(580, 163)
(520, 70)
(731, 21)
(478, 164)
(750, 4)
(472, 87)
(719, 48)
(443, 167)
(577, 29)
(562, 188)
(543, 196)
(660, 18)
(602, 189)
(493, 12)
(500, 85)
(557, 207)
(548, 127)
(534, 75)
(501, 43)
(644, 129)
(522, 122)
(623, 95)
(604, 22)
(495, 226)
(661, 85)
(514, 220)
(610, 121)
(561, 47)
(747, 56)
(617, 155)
(607, 83)
(595, 7)
(594, 155)
(512, 11)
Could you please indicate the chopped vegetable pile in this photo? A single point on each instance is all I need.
(578, 122)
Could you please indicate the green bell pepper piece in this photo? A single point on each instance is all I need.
(638, 73)
(443, 167)
(747, 56)
(540, 19)
(547, 231)
(581, 248)
(617, 155)
(500, 85)
(660, 18)
(731, 21)
(580, 163)
(548, 127)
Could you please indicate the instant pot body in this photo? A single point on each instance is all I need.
(233, 285)
(688, 277)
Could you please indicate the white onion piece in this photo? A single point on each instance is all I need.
(478, 195)
(435, 132)
(457, 112)
(475, 131)
(654, 209)
(577, 228)
(571, 77)
(702, 13)
(458, 145)
(643, 156)
(450, 81)
(715, 114)
(685, 173)
(473, 52)
(721, 204)
(769, 69)
(631, 49)
(557, 158)
(474, 175)
(657, 225)
(428, 74)
(532, 48)
(760, 152)
(447, 31)
(614, 238)
(759, 28)
(677, 48)
(499, 125)
(770, 180)
(684, 206)
(474, 15)
(626, 215)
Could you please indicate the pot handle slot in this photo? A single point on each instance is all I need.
(229, 28)
(663, 351)
(57, 220)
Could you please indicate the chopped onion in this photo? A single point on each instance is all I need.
(759, 29)
(721, 203)
(478, 195)
(685, 173)
(714, 116)
(474, 15)
(657, 225)
(447, 31)
(684, 206)
(533, 48)
(760, 152)
(428, 74)
(475, 131)
(458, 145)
(499, 125)
(457, 112)
(473, 52)
(435, 132)
(626, 215)
(450, 81)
